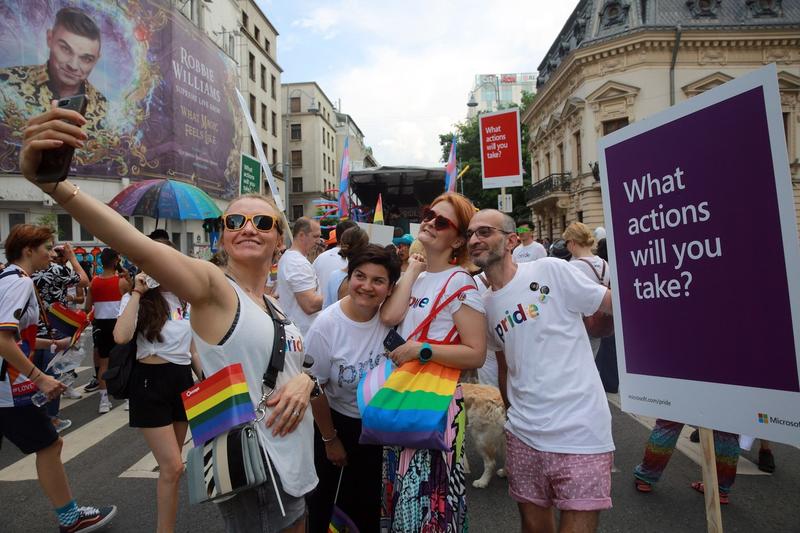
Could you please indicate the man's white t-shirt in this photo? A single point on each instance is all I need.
(326, 263)
(423, 294)
(526, 254)
(295, 274)
(557, 399)
(487, 374)
(343, 351)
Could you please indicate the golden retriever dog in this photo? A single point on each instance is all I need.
(486, 416)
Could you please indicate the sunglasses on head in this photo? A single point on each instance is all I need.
(438, 221)
(235, 221)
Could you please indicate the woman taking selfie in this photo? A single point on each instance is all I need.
(165, 358)
(432, 496)
(346, 341)
(231, 320)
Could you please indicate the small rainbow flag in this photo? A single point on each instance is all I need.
(450, 172)
(378, 217)
(217, 404)
(68, 322)
(341, 523)
(407, 406)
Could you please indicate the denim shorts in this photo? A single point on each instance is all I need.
(257, 511)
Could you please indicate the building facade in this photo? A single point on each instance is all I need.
(361, 156)
(310, 147)
(619, 61)
(490, 92)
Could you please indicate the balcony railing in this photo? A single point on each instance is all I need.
(553, 183)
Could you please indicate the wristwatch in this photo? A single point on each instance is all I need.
(316, 392)
(425, 353)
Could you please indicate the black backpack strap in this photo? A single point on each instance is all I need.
(278, 357)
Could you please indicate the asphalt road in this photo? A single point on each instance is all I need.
(107, 462)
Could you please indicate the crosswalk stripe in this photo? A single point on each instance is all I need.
(75, 442)
(146, 466)
(693, 451)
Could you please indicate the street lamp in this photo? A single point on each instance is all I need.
(494, 84)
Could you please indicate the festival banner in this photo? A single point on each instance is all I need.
(161, 101)
(501, 154)
(707, 333)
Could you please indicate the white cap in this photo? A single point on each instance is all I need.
(599, 233)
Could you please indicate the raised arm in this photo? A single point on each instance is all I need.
(193, 280)
(76, 266)
(394, 309)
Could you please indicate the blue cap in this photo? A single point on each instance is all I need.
(406, 239)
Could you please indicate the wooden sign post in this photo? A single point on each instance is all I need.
(710, 482)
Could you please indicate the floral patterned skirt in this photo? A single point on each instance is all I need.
(424, 490)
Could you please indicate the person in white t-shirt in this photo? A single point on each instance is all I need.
(528, 249)
(415, 479)
(346, 341)
(331, 260)
(165, 357)
(298, 286)
(487, 374)
(559, 425)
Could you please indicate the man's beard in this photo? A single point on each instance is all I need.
(491, 257)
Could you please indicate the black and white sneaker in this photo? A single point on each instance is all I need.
(91, 519)
(92, 386)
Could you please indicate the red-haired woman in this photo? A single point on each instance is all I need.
(424, 490)
(29, 248)
(232, 319)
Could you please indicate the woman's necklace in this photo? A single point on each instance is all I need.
(251, 293)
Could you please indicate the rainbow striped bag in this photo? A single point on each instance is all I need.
(217, 404)
(408, 406)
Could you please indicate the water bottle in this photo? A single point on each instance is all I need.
(40, 398)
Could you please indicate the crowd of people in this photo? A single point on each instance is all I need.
(473, 290)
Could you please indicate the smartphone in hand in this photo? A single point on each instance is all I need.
(393, 340)
(55, 163)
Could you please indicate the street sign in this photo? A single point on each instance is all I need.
(707, 330)
(249, 175)
(501, 154)
(504, 203)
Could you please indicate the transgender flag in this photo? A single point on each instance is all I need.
(450, 169)
(344, 172)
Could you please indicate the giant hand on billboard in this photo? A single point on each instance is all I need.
(160, 93)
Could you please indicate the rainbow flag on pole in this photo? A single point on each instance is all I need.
(341, 523)
(450, 169)
(344, 185)
(378, 217)
(217, 404)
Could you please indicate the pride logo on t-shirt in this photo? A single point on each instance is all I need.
(515, 317)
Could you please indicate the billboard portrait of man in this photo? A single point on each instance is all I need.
(74, 44)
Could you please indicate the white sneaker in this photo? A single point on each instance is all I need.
(105, 406)
(72, 394)
(127, 405)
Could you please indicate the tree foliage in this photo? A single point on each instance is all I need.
(468, 152)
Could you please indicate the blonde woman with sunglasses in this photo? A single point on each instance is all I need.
(230, 320)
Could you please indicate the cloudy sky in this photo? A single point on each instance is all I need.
(403, 70)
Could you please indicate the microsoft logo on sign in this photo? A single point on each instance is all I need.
(763, 418)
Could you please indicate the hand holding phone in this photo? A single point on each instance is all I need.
(55, 163)
(393, 340)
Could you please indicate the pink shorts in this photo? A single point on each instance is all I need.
(568, 481)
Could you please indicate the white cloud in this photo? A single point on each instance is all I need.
(420, 58)
(322, 20)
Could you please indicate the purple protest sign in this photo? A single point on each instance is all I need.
(702, 254)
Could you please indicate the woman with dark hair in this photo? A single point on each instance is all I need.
(424, 489)
(165, 356)
(28, 248)
(351, 242)
(232, 319)
(346, 340)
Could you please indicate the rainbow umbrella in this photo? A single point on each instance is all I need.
(162, 198)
